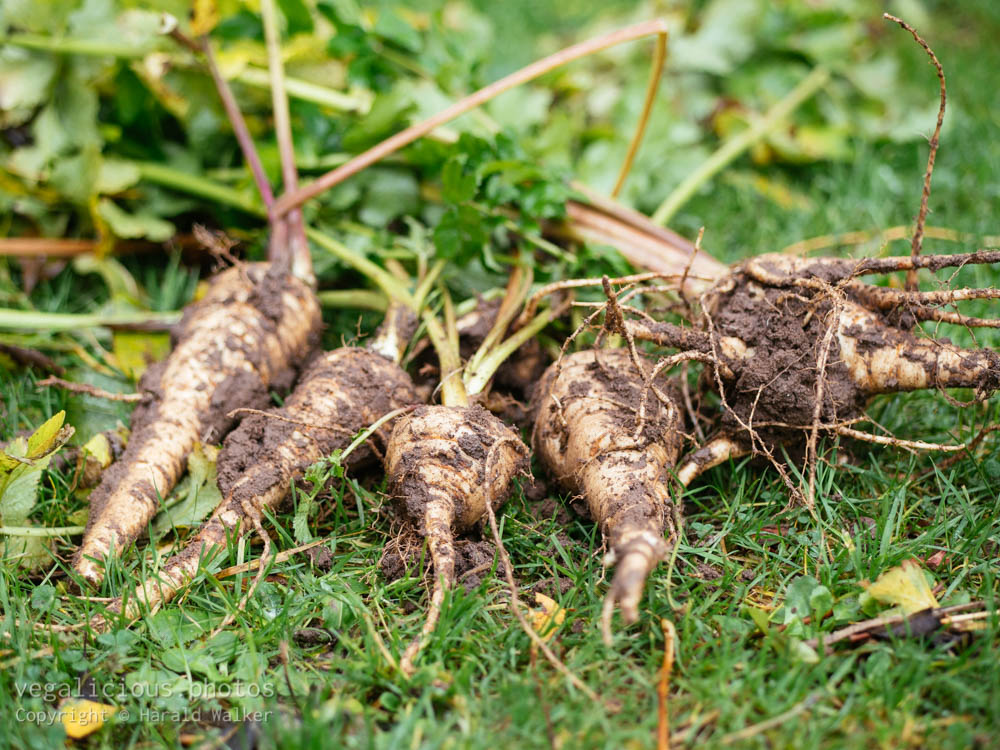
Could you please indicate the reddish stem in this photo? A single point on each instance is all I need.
(291, 200)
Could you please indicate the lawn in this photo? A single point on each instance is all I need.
(304, 662)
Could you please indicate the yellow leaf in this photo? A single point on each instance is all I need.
(904, 586)
(42, 439)
(81, 717)
(200, 290)
(204, 17)
(99, 447)
(135, 350)
(547, 617)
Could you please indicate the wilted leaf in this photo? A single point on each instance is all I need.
(904, 586)
(546, 617)
(81, 717)
(96, 455)
(99, 448)
(44, 438)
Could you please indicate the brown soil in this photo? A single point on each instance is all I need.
(473, 561)
(340, 394)
(778, 383)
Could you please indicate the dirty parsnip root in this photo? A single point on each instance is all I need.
(340, 394)
(587, 413)
(796, 347)
(247, 335)
(804, 341)
(447, 464)
(800, 346)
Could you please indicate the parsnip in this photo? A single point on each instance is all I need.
(586, 410)
(245, 337)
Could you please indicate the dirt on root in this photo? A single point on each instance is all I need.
(786, 328)
(608, 375)
(457, 441)
(585, 436)
(340, 394)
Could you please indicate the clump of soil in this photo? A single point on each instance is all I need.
(775, 386)
(474, 560)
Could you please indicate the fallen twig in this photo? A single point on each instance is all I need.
(89, 390)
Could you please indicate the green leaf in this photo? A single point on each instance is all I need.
(457, 186)
(203, 495)
(171, 627)
(31, 15)
(760, 618)
(116, 175)
(182, 660)
(387, 111)
(390, 193)
(43, 598)
(347, 12)
(802, 651)
(130, 226)
(820, 601)
(300, 522)
(25, 81)
(75, 176)
(725, 37)
(797, 602)
(394, 29)
(297, 16)
(120, 282)
(19, 478)
(19, 494)
(29, 552)
(460, 234)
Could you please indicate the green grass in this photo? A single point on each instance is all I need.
(478, 686)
